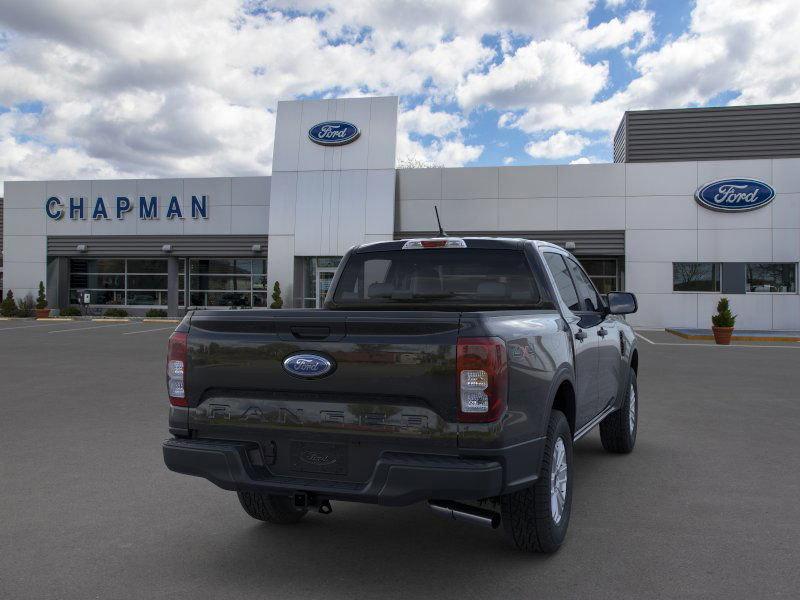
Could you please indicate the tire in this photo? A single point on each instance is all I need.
(618, 430)
(529, 520)
(270, 508)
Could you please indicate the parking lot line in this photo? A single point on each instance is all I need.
(147, 330)
(28, 326)
(88, 328)
(649, 341)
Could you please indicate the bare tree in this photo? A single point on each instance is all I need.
(414, 162)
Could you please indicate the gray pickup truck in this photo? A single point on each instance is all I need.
(457, 371)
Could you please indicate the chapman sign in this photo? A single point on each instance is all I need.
(147, 208)
(735, 195)
(333, 133)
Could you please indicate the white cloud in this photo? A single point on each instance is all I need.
(509, 160)
(581, 161)
(616, 32)
(423, 120)
(447, 153)
(539, 72)
(559, 145)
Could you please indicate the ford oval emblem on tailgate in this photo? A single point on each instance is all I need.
(307, 365)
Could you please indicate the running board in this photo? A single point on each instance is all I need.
(588, 427)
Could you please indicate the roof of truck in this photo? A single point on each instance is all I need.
(471, 241)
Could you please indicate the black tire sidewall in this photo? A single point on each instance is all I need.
(558, 531)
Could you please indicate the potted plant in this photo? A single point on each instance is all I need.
(277, 301)
(42, 312)
(723, 322)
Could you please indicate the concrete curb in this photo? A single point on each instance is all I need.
(735, 338)
(111, 320)
(55, 319)
(160, 320)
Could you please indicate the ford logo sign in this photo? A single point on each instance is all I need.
(308, 366)
(735, 195)
(333, 133)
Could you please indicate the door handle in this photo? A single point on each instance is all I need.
(602, 332)
(581, 335)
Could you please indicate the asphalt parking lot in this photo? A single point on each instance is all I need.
(707, 506)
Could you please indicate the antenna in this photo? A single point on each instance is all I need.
(442, 232)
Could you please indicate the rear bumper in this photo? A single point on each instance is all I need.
(398, 478)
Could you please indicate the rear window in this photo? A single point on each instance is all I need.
(447, 278)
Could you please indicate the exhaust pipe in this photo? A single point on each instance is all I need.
(464, 512)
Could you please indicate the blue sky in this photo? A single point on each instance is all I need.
(123, 92)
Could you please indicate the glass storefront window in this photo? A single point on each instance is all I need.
(118, 281)
(603, 273)
(220, 282)
(221, 266)
(772, 277)
(696, 277)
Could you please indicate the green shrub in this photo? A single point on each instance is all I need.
(41, 299)
(277, 301)
(26, 306)
(156, 312)
(8, 308)
(724, 316)
(115, 312)
(71, 311)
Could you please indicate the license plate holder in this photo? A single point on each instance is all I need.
(318, 457)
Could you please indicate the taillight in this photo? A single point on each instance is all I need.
(482, 367)
(176, 369)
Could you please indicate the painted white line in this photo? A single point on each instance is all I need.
(88, 328)
(147, 331)
(29, 326)
(639, 335)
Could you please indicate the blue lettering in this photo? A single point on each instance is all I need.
(99, 209)
(54, 208)
(73, 208)
(123, 206)
(148, 210)
(174, 209)
(200, 207)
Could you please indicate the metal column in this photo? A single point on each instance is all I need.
(172, 286)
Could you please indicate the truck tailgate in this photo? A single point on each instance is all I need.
(392, 388)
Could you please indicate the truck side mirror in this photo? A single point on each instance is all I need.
(622, 303)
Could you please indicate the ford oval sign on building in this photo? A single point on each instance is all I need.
(308, 366)
(735, 195)
(333, 133)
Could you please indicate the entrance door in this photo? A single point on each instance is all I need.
(324, 279)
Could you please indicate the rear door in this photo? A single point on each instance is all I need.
(584, 326)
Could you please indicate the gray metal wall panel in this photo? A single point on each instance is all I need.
(587, 243)
(150, 245)
(723, 133)
(734, 278)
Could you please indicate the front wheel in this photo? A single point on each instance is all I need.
(536, 518)
(618, 430)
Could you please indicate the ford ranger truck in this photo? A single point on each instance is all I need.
(455, 371)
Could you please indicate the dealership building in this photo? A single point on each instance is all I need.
(699, 203)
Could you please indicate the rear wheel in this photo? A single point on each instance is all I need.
(270, 508)
(618, 430)
(536, 518)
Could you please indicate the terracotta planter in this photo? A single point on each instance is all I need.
(42, 313)
(722, 335)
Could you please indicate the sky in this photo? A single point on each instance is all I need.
(181, 88)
